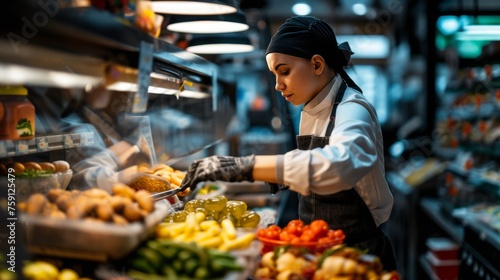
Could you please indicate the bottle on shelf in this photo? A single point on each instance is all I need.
(17, 121)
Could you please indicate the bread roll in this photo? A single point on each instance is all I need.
(31, 165)
(47, 166)
(3, 169)
(61, 165)
(119, 220)
(17, 166)
(133, 213)
(118, 203)
(96, 193)
(35, 204)
(53, 194)
(120, 189)
(145, 200)
(104, 211)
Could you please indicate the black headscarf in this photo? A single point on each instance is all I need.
(305, 36)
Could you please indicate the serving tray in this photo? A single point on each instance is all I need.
(88, 240)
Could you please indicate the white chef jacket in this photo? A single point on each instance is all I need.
(354, 157)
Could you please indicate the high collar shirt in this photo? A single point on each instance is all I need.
(354, 157)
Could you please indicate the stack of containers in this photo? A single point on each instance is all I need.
(442, 256)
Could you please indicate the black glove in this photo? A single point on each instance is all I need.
(223, 168)
(275, 188)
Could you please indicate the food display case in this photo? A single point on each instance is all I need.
(90, 63)
(462, 75)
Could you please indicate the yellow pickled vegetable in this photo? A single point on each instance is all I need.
(238, 243)
(228, 228)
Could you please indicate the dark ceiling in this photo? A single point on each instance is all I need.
(326, 9)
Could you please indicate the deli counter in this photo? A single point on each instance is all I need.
(91, 181)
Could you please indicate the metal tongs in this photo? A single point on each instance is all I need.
(166, 194)
(172, 192)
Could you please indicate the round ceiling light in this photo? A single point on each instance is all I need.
(193, 7)
(220, 43)
(204, 24)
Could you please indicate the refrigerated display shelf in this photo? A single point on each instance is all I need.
(432, 208)
(457, 170)
(39, 144)
(424, 263)
(492, 149)
(470, 112)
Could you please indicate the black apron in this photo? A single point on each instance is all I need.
(344, 210)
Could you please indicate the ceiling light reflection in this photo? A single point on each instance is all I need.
(301, 9)
(220, 43)
(17, 74)
(192, 7)
(207, 26)
(359, 9)
(448, 24)
(220, 48)
(204, 24)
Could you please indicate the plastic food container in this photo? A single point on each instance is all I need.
(85, 239)
(25, 187)
(313, 247)
(443, 248)
(443, 269)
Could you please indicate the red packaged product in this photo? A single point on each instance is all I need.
(443, 248)
(443, 269)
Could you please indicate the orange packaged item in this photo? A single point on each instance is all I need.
(18, 118)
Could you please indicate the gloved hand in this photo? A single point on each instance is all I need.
(223, 168)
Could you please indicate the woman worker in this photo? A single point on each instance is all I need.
(338, 169)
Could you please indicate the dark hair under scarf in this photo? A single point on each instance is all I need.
(305, 36)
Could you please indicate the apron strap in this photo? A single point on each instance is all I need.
(274, 188)
(338, 99)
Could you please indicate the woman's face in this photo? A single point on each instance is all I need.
(296, 78)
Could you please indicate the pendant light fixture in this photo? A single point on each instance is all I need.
(220, 43)
(204, 24)
(193, 7)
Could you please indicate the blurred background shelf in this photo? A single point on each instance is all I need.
(39, 144)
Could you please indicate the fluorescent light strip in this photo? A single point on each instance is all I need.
(479, 33)
(220, 48)
(132, 87)
(467, 36)
(194, 94)
(483, 29)
(22, 75)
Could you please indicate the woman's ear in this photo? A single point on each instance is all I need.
(318, 64)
